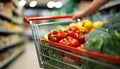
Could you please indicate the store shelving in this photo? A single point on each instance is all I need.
(15, 13)
(12, 57)
(2, 30)
(110, 4)
(11, 44)
(4, 17)
(11, 32)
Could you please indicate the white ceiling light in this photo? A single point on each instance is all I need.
(22, 3)
(58, 4)
(50, 4)
(33, 3)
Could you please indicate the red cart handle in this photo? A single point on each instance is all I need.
(28, 19)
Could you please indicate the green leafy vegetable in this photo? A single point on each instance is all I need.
(112, 21)
(111, 46)
(115, 19)
(106, 25)
(94, 44)
(97, 32)
(60, 27)
(114, 30)
(45, 36)
(102, 43)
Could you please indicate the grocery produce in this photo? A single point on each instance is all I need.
(51, 53)
(111, 46)
(87, 35)
(113, 26)
(60, 27)
(81, 27)
(71, 31)
(115, 30)
(97, 32)
(87, 24)
(56, 35)
(76, 31)
(95, 44)
(112, 21)
(73, 28)
(100, 40)
(76, 34)
(89, 65)
(80, 36)
(97, 24)
(106, 25)
(72, 25)
(105, 40)
(45, 36)
(70, 41)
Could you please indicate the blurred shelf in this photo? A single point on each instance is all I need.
(14, 3)
(4, 17)
(3, 1)
(11, 44)
(15, 13)
(12, 57)
(2, 30)
(110, 4)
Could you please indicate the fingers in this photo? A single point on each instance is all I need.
(77, 15)
(76, 19)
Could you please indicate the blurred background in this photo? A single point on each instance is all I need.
(17, 49)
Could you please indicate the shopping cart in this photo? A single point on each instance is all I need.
(53, 55)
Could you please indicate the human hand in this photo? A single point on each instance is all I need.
(78, 15)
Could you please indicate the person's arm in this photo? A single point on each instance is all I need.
(95, 5)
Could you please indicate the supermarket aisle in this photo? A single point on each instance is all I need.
(28, 60)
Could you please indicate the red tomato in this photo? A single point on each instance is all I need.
(71, 31)
(80, 36)
(70, 41)
(56, 35)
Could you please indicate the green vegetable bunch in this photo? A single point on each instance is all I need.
(105, 40)
(113, 27)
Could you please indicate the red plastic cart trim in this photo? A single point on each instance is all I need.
(86, 52)
(28, 19)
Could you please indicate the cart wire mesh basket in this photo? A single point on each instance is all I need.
(53, 55)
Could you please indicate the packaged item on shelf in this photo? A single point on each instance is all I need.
(10, 40)
(3, 56)
(1, 40)
(1, 6)
(7, 10)
(10, 27)
(7, 53)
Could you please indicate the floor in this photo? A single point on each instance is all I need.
(28, 60)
